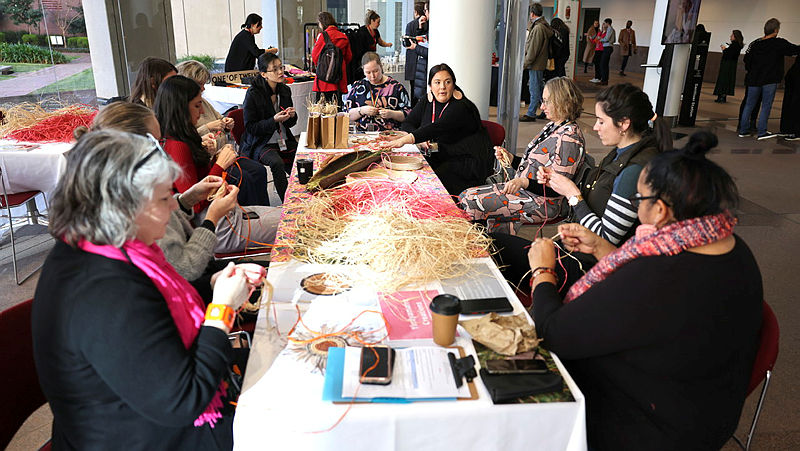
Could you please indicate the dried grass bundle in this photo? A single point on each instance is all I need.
(55, 125)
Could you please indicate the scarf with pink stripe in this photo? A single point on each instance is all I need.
(184, 302)
(671, 239)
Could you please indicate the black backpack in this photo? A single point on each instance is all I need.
(329, 65)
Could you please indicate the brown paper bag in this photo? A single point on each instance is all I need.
(342, 130)
(313, 132)
(328, 135)
(507, 335)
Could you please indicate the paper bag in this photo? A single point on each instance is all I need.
(507, 335)
(313, 131)
(342, 130)
(328, 135)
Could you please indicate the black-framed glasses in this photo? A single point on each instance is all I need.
(637, 199)
(156, 149)
(278, 70)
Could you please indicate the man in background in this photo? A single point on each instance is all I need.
(627, 45)
(536, 54)
(608, 48)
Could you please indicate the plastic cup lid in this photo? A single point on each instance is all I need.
(446, 304)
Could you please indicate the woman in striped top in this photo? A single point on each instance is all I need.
(625, 120)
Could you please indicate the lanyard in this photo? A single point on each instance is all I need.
(433, 112)
(278, 107)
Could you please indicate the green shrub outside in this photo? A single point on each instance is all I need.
(206, 60)
(26, 53)
(78, 43)
(2, 37)
(31, 39)
(13, 37)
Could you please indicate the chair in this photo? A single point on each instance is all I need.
(238, 124)
(9, 201)
(19, 370)
(769, 338)
(497, 134)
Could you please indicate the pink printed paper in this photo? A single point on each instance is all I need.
(408, 314)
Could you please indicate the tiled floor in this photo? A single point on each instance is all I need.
(766, 173)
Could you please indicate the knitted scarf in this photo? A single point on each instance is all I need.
(671, 239)
(183, 301)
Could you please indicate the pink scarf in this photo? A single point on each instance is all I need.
(184, 302)
(668, 240)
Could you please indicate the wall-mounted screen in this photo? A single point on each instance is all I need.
(681, 21)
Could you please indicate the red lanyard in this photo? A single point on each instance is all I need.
(433, 112)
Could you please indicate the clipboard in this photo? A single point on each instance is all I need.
(334, 373)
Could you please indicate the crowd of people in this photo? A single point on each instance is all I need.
(132, 312)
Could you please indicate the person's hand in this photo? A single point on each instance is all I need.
(209, 143)
(514, 185)
(222, 205)
(389, 44)
(271, 50)
(413, 45)
(291, 111)
(253, 273)
(422, 20)
(502, 154)
(578, 238)
(226, 156)
(542, 254)
(230, 287)
(200, 190)
(281, 116)
(368, 110)
(215, 126)
(386, 113)
(557, 182)
(228, 123)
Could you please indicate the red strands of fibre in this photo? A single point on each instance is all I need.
(362, 197)
(57, 128)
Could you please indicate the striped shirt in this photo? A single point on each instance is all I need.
(619, 215)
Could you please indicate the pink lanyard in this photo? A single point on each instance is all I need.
(433, 113)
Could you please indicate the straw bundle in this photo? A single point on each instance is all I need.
(30, 122)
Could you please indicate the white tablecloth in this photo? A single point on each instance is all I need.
(281, 403)
(35, 170)
(222, 99)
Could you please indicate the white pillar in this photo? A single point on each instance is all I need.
(461, 34)
(107, 63)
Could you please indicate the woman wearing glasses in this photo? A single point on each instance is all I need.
(377, 99)
(269, 116)
(125, 354)
(660, 334)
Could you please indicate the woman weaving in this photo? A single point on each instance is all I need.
(660, 334)
(447, 126)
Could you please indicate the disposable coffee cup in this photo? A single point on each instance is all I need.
(445, 309)
(305, 169)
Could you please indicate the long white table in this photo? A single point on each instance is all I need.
(281, 403)
(33, 170)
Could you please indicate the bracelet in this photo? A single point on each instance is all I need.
(541, 270)
(220, 312)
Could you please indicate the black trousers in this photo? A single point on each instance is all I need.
(605, 58)
(252, 182)
(270, 157)
(624, 62)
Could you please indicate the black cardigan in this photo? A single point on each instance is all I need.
(662, 348)
(259, 113)
(242, 53)
(111, 362)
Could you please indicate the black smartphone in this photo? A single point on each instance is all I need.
(477, 306)
(510, 366)
(381, 374)
(249, 215)
(406, 41)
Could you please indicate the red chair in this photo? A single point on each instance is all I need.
(9, 201)
(16, 355)
(497, 134)
(238, 124)
(762, 367)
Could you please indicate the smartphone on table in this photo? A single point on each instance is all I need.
(486, 305)
(382, 359)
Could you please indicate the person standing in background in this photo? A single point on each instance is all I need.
(331, 91)
(588, 52)
(244, 51)
(367, 39)
(560, 51)
(537, 51)
(608, 49)
(417, 27)
(627, 45)
(790, 112)
(726, 79)
(421, 68)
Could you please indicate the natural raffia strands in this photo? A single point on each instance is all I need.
(32, 123)
(405, 238)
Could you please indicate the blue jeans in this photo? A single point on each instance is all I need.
(536, 85)
(767, 93)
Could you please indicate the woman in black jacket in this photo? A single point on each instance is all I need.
(726, 79)
(244, 51)
(268, 117)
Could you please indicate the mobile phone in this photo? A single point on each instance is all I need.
(406, 41)
(249, 215)
(477, 306)
(382, 373)
(511, 366)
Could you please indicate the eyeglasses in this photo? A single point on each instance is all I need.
(156, 149)
(278, 70)
(545, 101)
(637, 199)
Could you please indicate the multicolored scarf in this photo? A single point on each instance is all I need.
(185, 304)
(671, 239)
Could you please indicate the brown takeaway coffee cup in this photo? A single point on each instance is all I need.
(445, 309)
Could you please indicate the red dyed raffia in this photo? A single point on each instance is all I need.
(362, 197)
(57, 128)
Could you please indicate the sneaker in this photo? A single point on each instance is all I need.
(767, 135)
(595, 80)
(745, 134)
(791, 137)
(526, 118)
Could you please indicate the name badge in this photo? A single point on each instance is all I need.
(282, 144)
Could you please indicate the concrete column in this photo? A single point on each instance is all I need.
(678, 66)
(461, 35)
(515, 17)
(108, 65)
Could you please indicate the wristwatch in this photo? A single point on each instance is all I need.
(573, 200)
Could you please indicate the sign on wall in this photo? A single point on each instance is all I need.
(233, 77)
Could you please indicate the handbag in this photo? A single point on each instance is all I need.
(551, 64)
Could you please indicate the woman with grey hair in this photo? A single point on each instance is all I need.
(124, 352)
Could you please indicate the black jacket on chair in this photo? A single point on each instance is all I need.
(259, 122)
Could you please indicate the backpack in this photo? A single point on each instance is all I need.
(329, 65)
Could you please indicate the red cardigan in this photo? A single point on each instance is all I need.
(341, 41)
(181, 153)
